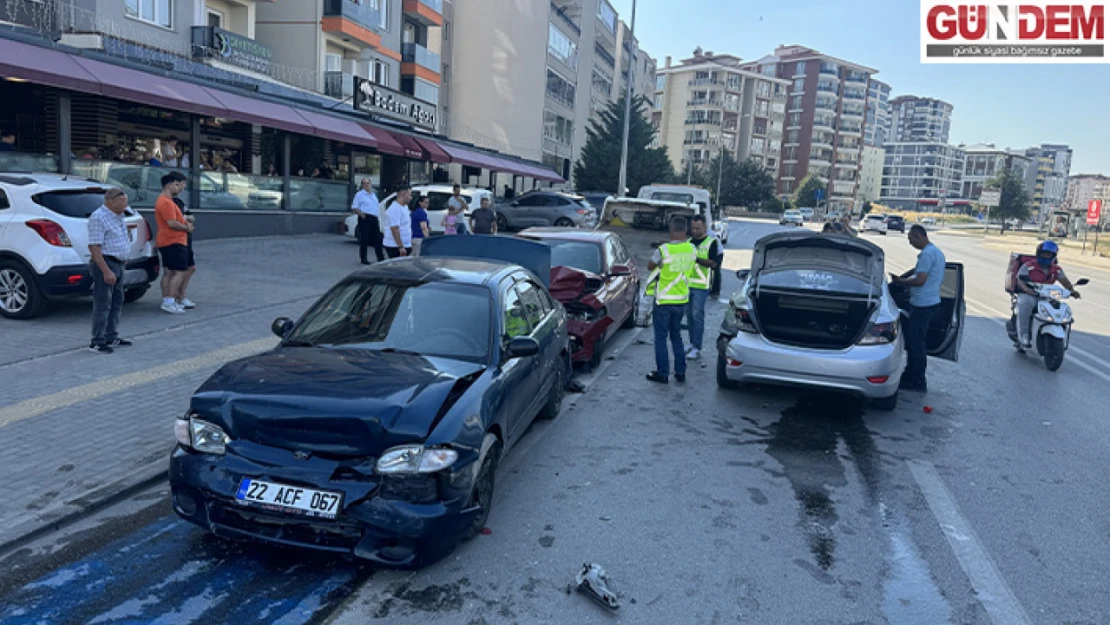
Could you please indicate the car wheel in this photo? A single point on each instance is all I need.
(134, 295)
(554, 403)
(563, 222)
(19, 295)
(481, 495)
(722, 374)
(630, 322)
(886, 404)
(502, 222)
(599, 353)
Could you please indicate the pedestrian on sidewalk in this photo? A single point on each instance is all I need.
(398, 239)
(459, 204)
(365, 205)
(675, 261)
(420, 229)
(109, 247)
(483, 220)
(924, 283)
(190, 219)
(707, 248)
(172, 240)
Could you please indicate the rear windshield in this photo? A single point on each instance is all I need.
(684, 198)
(575, 254)
(814, 280)
(437, 200)
(76, 203)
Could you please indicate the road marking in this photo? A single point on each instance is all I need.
(1000, 603)
(70, 396)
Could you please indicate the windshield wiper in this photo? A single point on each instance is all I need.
(394, 350)
(298, 344)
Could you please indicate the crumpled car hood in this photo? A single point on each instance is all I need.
(570, 285)
(342, 402)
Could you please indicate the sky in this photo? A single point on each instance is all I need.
(1015, 106)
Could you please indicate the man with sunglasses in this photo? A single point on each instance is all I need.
(1042, 270)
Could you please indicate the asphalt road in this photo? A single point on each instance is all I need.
(705, 506)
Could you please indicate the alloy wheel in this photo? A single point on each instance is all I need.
(13, 290)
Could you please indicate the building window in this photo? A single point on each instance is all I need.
(560, 89)
(767, 70)
(734, 82)
(758, 145)
(796, 103)
(561, 47)
(660, 82)
(763, 90)
(658, 102)
(379, 73)
(558, 128)
(762, 108)
(446, 75)
(426, 91)
(602, 84)
(383, 11)
(799, 85)
(159, 12)
(607, 16)
(215, 19)
(800, 69)
(333, 62)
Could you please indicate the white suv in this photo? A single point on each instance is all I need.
(44, 251)
(873, 223)
(438, 194)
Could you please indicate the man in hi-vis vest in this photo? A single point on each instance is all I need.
(675, 262)
(700, 282)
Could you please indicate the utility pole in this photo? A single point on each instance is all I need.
(623, 180)
(720, 172)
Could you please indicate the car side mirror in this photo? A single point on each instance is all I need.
(1082, 282)
(620, 270)
(522, 347)
(281, 326)
(742, 274)
(514, 204)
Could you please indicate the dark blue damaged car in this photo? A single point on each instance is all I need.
(375, 428)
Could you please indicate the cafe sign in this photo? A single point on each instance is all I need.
(373, 98)
(231, 48)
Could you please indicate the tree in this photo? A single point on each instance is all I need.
(742, 184)
(806, 195)
(1014, 203)
(598, 168)
(866, 208)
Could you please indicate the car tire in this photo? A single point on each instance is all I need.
(630, 322)
(554, 403)
(502, 222)
(598, 355)
(722, 375)
(886, 404)
(20, 297)
(481, 493)
(134, 295)
(563, 222)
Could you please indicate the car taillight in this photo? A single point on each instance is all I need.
(880, 334)
(50, 232)
(582, 211)
(744, 321)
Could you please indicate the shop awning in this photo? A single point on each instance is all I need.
(470, 157)
(44, 66)
(263, 112)
(145, 88)
(330, 127)
(432, 149)
(409, 146)
(386, 144)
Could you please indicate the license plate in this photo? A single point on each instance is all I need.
(131, 277)
(286, 498)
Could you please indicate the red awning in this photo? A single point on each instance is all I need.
(409, 146)
(138, 86)
(470, 157)
(928, 201)
(386, 143)
(44, 66)
(262, 112)
(337, 129)
(432, 149)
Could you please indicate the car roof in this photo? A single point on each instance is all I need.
(566, 194)
(567, 234)
(45, 182)
(424, 270)
(448, 188)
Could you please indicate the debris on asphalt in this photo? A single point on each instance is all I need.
(574, 386)
(594, 583)
(928, 409)
(605, 518)
(486, 531)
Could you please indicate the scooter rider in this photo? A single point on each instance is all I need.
(1043, 270)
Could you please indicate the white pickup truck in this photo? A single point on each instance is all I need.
(655, 204)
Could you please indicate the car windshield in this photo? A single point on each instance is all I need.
(814, 280)
(575, 254)
(403, 317)
(437, 200)
(684, 198)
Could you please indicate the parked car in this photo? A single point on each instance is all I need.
(791, 217)
(929, 221)
(594, 277)
(895, 222)
(44, 243)
(816, 311)
(438, 194)
(547, 208)
(720, 230)
(807, 213)
(375, 430)
(873, 223)
(596, 199)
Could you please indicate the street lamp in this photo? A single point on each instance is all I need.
(623, 179)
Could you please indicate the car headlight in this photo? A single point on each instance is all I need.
(200, 435)
(409, 459)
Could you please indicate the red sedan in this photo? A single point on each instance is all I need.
(595, 278)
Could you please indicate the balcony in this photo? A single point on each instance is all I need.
(823, 87)
(416, 53)
(826, 123)
(852, 113)
(826, 105)
(340, 85)
(606, 59)
(856, 79)
(846, 129)
(705, 82)
(850, 94)
(822, 160)
(706, 122)
(360, 15)
(426, 12)
(703, 102)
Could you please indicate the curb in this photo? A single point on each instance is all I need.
(59, 516)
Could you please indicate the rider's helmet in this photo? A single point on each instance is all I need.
(1046, 253)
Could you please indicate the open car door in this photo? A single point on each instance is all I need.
(533, 256)
(947, 329)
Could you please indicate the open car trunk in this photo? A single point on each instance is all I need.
(812, 290)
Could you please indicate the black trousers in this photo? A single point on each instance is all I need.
(917, 332)
(370, 234)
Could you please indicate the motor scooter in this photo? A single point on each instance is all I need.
(1051, 325)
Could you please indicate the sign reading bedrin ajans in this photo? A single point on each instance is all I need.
(373, 98)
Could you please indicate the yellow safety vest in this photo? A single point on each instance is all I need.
(678, 264)
(702, 277)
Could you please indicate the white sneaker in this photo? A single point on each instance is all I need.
(173, 309)
(693, 354)
(187, 304)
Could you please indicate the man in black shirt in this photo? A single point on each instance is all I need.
(483, 220)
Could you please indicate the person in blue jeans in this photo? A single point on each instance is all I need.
(924, 283)
(671, 265)
(700, 282)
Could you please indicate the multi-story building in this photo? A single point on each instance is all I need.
(1082, 188)
(708, 102)
(870, 173)
(922, 176)
(983, 162)
(914, 119)
(1049, 175)
(876, 127)
(643, 72)
(825, 120)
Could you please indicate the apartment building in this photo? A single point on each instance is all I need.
(1048, 173)
(825, 118)
(876, 126)
(984, 161)
(914, 119)
(923, 176)
(1082, 188)
(644, 68)
(872, 160)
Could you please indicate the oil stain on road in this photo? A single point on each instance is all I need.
(170, 572)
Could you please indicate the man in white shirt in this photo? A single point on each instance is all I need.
(398, 237)
(459, 204)
(365, 205)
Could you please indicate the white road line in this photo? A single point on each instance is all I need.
(1000, 603)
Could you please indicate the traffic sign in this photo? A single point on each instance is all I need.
(990, 197)
(818, 194)
(1094, 212)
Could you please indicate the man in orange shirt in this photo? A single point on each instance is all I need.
(172, 241)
